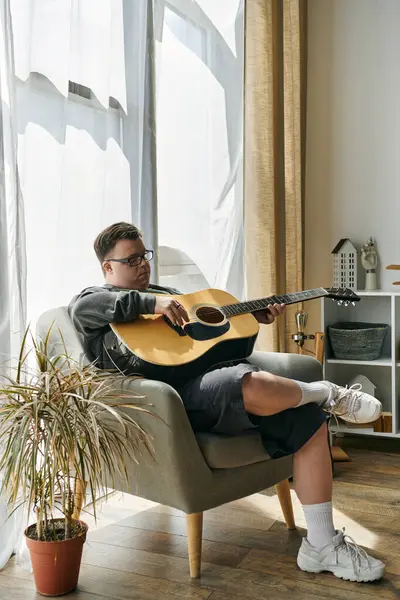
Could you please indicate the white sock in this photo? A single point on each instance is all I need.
(316, 391)
(320, 528)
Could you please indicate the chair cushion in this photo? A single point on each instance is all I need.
(227, 452)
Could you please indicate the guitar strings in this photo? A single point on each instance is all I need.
(225, 310)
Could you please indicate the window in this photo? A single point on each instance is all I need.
(77, 89)
(187, 32)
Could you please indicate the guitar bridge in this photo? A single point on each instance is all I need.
(176, 328)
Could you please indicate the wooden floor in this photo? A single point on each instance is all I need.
(138, 549)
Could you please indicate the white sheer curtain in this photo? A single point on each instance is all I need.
(200, 137)
(85, 141)
(12, 251)
(86, 125)
(72, 40)
(84, 120)
(91, 164)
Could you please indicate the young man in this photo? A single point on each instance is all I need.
(232, 398)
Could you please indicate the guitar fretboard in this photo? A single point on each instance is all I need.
(241, 308)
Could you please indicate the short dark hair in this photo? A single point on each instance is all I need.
(107, 239)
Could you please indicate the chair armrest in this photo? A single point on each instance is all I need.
(178, 467)
(293, 366)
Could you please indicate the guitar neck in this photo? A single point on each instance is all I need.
(241, 308)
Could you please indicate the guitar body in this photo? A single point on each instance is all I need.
(168, 354)
(220, 330)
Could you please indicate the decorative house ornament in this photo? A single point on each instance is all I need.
(367, 386)
(345, 264)
(369, 261)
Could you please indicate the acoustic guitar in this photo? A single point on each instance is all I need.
(220, 330)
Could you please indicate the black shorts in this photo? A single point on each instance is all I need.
(214, 403)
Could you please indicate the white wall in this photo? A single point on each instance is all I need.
(353, 134)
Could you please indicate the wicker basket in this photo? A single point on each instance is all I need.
(357, 341)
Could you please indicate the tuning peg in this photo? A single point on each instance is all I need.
(340, 302)
(353, 303)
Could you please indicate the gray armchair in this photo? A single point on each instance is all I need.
(194, 472)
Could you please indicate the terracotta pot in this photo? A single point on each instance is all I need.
(56, 565)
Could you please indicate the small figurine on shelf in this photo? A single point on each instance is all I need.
(369, 261)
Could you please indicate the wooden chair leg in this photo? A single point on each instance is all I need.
(79, 497)
(285, 500)
(194, 528)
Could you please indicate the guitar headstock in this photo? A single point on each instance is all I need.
(343, 296)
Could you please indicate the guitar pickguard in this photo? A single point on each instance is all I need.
(201, 332)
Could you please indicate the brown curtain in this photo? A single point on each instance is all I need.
(274, 153)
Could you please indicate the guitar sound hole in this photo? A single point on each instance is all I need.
(211, 315)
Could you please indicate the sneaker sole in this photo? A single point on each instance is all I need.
(309, 566)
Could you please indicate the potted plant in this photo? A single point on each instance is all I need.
(61, 428)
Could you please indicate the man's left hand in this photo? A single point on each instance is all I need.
(268, 316)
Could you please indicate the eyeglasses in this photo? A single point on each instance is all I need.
(135, 259)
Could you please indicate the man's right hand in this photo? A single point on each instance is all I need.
(172, 309)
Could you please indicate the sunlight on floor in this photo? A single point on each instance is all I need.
(258, 511)
(361, 534)
(114, 508)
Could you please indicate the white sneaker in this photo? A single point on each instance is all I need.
(352, 404)
(343, 558)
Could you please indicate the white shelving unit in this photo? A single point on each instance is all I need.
(374, 307)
